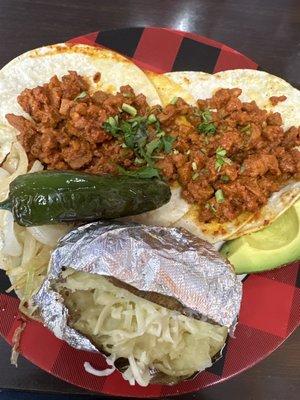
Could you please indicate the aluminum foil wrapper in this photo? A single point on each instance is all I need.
(168, 261)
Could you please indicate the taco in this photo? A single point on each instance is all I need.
(71, 70)
(281, 101)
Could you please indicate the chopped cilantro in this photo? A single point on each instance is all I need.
(134, 132)
(167, 142)
(221, 158)
(153, 145)
(138, 161)
(111, 126)
(221, 152)
(161, 134)
(208, 128)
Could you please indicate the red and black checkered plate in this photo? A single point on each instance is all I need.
(271, 303)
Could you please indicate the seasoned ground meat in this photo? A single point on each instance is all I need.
(236, 155)
(229, 156)
(277, 99)
(66, 130)
(239, 155)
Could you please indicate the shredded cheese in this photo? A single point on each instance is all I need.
(149, 336)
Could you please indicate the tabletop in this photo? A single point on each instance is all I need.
(266, 31)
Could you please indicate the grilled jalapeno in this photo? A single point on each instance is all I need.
(51, 197)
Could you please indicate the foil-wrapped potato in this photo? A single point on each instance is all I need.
(157, 302)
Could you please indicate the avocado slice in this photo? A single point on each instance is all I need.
(272, 247)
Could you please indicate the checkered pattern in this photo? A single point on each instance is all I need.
(164, 50)
(271, 304)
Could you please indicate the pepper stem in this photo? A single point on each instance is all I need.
(5, 205)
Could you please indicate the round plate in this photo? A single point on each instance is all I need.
(270, 306)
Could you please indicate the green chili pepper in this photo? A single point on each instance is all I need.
(51, 197)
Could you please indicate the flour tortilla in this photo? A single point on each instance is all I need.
(7, 136)
(168, 214)
(36, 67)
(191, 81)
(168, 89)
(258, 86)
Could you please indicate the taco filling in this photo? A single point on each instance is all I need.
(229, 156)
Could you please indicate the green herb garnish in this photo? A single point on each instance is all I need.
(207, 126)
(138, 161)
(167, 142)
(134, 132)
(221, 152)
(111, 125)
(160, 134)
(224, 178)
(81, 95)
(195, 176)
(219, 196)
(129, 109)
(151, 119)
(174, 100)
(153, 145)
(144, 172)
(221, 158)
